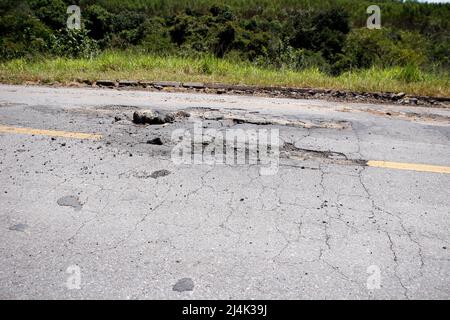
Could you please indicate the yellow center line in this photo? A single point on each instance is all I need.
(93, 136)
(408, 166)
(50, 133)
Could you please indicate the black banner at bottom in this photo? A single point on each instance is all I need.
(228, 309)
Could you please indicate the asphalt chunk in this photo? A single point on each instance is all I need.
(146, 117)
(185, 284)
(152, 117)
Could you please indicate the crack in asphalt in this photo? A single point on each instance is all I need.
(280, 200)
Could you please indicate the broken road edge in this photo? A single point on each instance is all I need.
(399, 98)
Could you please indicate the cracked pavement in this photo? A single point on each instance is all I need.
(140, 227)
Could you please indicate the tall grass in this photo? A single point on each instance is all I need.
(135, 66)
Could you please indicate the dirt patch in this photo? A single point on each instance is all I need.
(279, 92)
(427, 118)
(413, 116)
(116, 107)
(265, 120)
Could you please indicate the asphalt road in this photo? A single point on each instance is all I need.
(94, 206)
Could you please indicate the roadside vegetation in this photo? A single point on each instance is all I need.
(301, 43)
(137, 66)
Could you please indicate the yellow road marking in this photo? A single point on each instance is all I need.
(51, 133)
(93, 136)
(408, 166)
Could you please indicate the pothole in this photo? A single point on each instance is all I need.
(185, 284)
(266, 120)
(159, 173)
(426, 118)
(290, 151)
(70, 201)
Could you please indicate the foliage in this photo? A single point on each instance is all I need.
(384, 48)
(208, 68)
(73, 44)
(327, 35)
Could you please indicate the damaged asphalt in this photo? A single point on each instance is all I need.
(139, 226)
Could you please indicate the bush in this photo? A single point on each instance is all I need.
(439, 52)
(22, 35)
(324, 31)
(98, 22)
(365, 48)
(51, 12)
(225, 39)
(156, 37)
(277, 34)
(73, 43)
(409, 74)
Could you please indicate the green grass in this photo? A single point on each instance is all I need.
(134, 66)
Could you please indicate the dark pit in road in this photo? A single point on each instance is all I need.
(185, 284)
(70, 201)
(160, 173)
